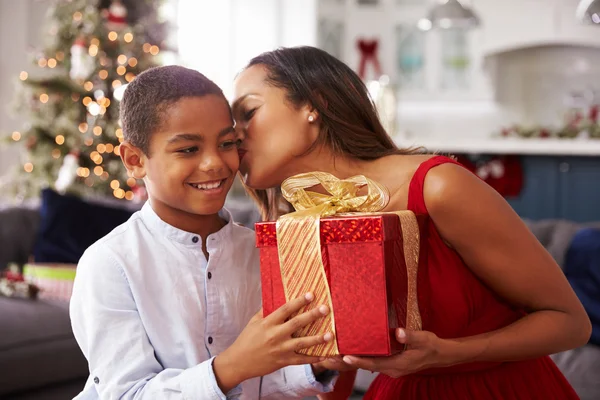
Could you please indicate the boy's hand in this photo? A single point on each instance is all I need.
(266, 344)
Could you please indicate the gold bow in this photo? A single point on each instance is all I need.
(343, 194)
(299, 245)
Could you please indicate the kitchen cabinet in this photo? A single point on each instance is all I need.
(561, 187)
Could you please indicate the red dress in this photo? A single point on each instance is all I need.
(455, 303)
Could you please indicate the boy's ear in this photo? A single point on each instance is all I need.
(134, 159)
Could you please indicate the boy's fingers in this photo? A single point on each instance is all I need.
(285, 311)
(258, 316)
(300, 321)
(309, 341)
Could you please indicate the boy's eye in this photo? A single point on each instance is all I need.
(188, 150)
(229, 144)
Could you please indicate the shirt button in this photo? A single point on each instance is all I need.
(210, 340)
(195, 239)
(96, 380)
(209, 275)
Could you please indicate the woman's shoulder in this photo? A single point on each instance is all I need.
(408, 164)
(428, 176)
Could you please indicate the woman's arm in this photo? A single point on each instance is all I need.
(499, 248)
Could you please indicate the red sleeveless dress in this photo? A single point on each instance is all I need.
(455, 303)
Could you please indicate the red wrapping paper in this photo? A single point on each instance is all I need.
(364, 263)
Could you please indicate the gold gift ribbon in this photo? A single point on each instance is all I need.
(299, 244)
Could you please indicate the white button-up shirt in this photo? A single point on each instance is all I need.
(150, 313)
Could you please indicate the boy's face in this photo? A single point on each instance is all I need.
(192, 158)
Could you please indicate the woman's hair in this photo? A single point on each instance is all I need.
(350, 125)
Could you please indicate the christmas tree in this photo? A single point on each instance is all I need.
(70, 99)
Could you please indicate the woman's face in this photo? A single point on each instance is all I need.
(275, 132)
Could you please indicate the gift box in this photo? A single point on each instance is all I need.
(363, 265)
(54, 281)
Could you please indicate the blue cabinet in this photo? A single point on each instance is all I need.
(579, 179)
(560, 187)
(540, 195)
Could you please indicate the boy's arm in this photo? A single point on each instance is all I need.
(297, 382)
(121, 358)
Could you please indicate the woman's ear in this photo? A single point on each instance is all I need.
(311, 109)
(134, 160)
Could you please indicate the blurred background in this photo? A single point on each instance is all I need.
(511, 88)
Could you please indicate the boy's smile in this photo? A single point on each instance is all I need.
(214, 187)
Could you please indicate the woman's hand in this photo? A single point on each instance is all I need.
(332, 364)
(424, 350)
(266, 344)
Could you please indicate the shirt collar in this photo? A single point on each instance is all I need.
(155, 223)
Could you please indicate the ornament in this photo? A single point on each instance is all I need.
(13, 273)
(578, 124)
(68, 172)
(12, 284)
(116, 16)
(31, 142)
(82, 64)
(503, 173)
(368, 52)
(593, 116)
(493, 169)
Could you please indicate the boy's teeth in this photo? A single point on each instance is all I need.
(207, 186)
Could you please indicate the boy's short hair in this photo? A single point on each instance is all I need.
(149, 95)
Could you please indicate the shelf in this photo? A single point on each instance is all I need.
(565, 147)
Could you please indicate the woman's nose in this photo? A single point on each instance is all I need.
(240, 132)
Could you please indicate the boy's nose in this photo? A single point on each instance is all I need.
(212, 162)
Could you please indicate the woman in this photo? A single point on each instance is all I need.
(497, 302)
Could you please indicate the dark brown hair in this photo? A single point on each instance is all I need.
(152, 92)
(350, 125)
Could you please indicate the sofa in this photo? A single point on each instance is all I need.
(40, 359)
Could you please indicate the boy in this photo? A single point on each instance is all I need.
(160, 296)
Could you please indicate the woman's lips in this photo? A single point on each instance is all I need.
(241, 153)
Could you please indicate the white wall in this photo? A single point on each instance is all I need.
(20, 23)
(239, 30)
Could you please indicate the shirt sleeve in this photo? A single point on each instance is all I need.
(296, 382)
(111, 335)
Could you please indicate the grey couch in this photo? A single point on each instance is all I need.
(40, 359)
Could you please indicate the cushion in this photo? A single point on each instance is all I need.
(69, 225)
(37, 346)
(18, 227)
(580, 366)
(582, 269)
